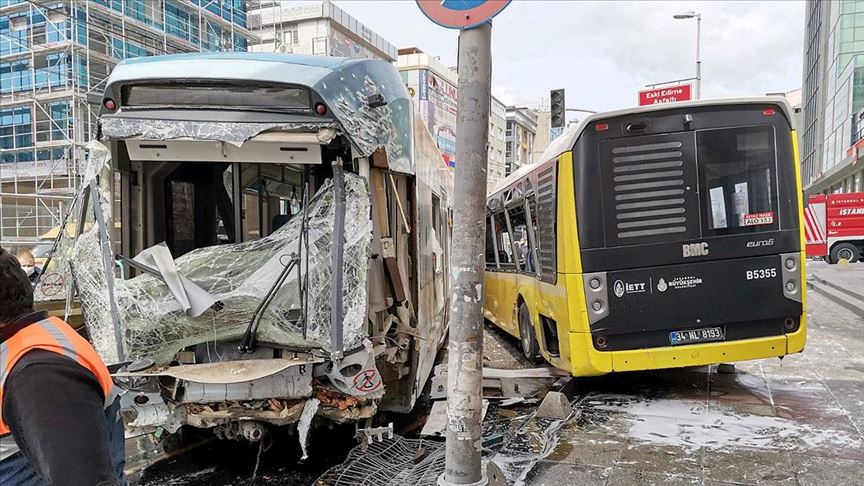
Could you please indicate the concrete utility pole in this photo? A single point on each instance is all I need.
(465, 365)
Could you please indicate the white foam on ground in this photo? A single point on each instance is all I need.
(694, 424)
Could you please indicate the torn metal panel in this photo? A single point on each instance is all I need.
(349, 91)
(193, 299)
(203, 416)
(226, 371)
(288, 383)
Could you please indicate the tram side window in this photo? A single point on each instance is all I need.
(519, 223)
(506, 259)
(490, 245)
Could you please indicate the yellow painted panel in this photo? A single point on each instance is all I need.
(698, 354)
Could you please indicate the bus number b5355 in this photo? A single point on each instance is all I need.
(761, 273)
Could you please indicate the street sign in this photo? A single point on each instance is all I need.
(669, 94)
(461, 14)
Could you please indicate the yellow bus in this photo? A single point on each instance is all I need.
(654, 237)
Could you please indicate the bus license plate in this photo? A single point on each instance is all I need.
(696, 335)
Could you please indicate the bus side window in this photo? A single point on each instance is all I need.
(504, 242)
(519, 223)
(531, 204)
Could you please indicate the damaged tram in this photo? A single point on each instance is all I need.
(282, 246)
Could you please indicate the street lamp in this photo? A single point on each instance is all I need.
(698, 17)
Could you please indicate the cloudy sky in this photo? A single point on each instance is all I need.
(604, 52)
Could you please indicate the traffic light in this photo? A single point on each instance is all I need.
(557, 108)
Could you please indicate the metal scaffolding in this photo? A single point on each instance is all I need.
(57, 54)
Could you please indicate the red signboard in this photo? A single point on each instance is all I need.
(669, 94)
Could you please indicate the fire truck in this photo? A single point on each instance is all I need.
(834, 227)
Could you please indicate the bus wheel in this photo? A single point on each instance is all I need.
(530, 348)
(845, 251)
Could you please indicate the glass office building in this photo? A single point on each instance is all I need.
(833, 97)
(53, 55)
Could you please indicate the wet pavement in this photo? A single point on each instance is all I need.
(798, 421)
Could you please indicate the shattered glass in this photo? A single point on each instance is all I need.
(347, 89)
(56, 281)
(240, 275)
(229, 132)
(155, 325)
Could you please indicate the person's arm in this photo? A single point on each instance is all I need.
(55, 409)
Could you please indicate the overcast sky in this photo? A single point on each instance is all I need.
(604, 52)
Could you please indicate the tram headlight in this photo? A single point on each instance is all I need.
(597, 306)
(595, 283)
(791, 286)
(790, 263)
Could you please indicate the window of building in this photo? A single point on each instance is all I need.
(291, 36)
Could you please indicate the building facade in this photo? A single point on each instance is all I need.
(543, 135)
(320, 29)
(53, 56)
(520, 135)
(432, 87)
(832, 142)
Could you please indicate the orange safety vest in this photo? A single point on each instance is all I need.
(51, 334)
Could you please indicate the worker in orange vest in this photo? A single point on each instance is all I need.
(59, 413)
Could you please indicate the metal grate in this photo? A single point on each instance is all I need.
(649, 189)
(546, 214)
(391, 462)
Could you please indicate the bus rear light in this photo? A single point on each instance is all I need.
(320, 109)
(768, 111)
(790, 324)
(791, 286)
(110, 105)
(597, 306)
(790, 264)
(601, 127)
(595, 283)
(601, 342)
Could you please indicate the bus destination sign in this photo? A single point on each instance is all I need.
(669, 94)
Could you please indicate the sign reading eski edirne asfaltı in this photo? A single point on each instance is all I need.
(669, 94)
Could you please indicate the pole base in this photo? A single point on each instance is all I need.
(484, 481)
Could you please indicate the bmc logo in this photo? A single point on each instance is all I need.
(694, 249)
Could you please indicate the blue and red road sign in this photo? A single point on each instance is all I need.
(461, 14)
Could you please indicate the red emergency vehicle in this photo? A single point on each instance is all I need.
(834, 227)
